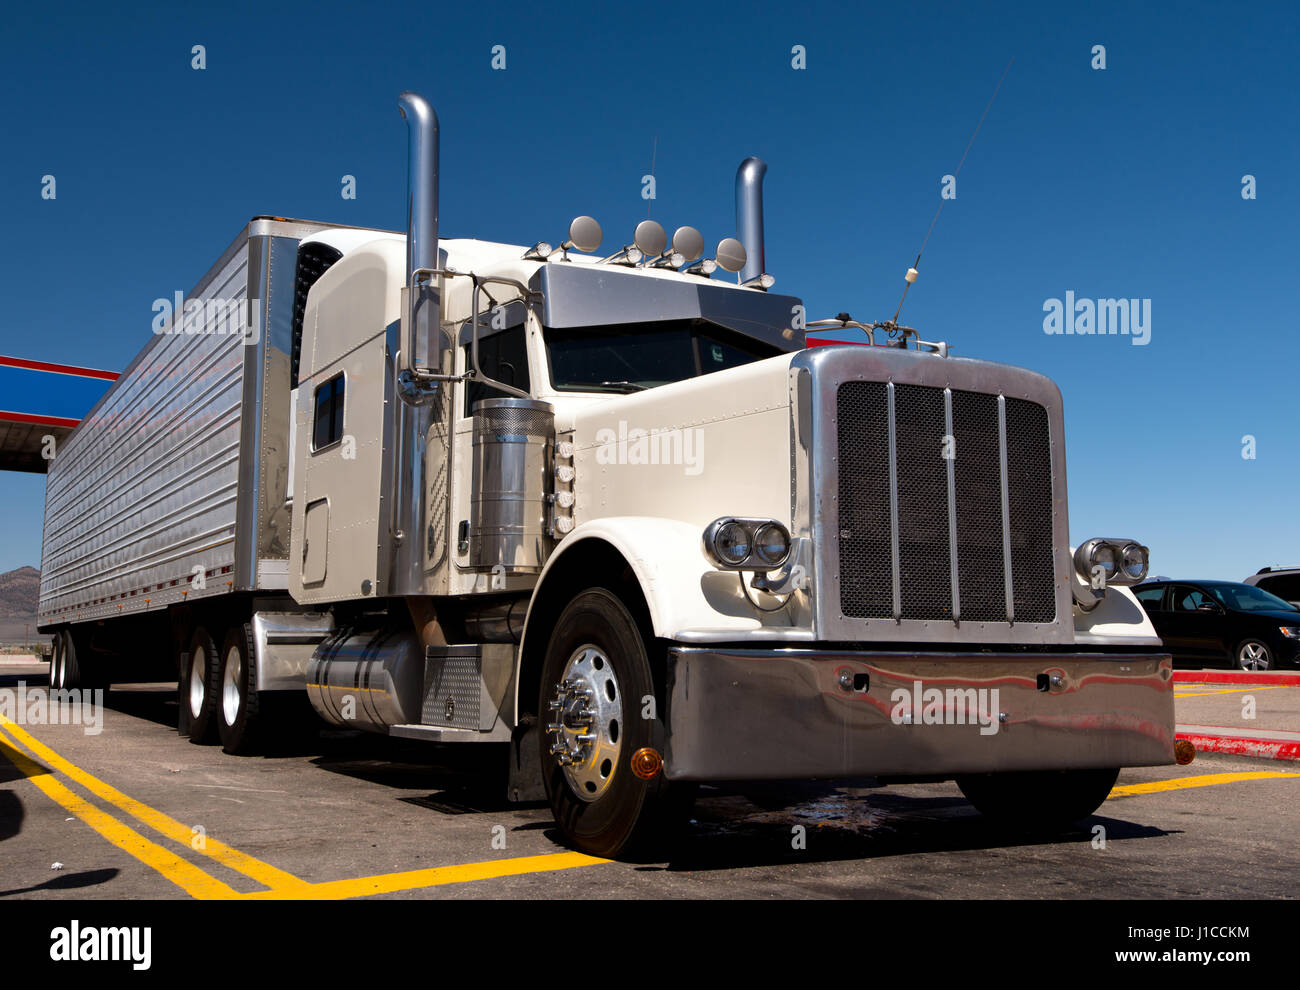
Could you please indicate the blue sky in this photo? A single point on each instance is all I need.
(1124, 182)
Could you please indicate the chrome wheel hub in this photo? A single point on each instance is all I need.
(198, 674)
(234, 669)
(1254, 656)
(585, 722)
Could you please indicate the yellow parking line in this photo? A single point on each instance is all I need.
(282, 885)
(387, 883)
(179, 871)
(264, 873)
(1239, 689)
(1204, 780)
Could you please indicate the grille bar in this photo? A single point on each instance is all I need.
(893, 507)
(948, 450)
(1008, 587)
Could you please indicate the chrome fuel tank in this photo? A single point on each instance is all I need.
(368, 680)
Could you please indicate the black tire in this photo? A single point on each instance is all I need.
(1264, 660)
(630, 817)
(238, 708)
(199, 687)
(56, 661)
(82, 668)
(1038, 800)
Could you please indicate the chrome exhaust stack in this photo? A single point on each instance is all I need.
(421, 343)
(749, 218)
(416, 548)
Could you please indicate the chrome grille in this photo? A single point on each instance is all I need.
(924, 529)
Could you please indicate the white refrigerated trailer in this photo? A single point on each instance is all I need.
(611, 515)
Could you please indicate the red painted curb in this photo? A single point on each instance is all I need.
(1236, 677)
(1268, 749)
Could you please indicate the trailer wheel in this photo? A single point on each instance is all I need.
(71, 673)
(595, 680)
(237, 702)
(199, 687)
(56, 661)
(1038, 800)
(79, 667)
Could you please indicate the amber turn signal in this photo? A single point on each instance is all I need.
(646, 763)
(1184, 752)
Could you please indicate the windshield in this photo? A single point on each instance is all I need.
(635, 356)
(1245, 598)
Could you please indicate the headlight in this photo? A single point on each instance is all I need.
(1121, 561)
(732, 543)
(747, 544)
(1133, 562)
(771, 544)
(1290, 632)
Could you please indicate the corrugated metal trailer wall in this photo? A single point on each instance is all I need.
(181, 469)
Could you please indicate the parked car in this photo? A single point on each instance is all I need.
(1213, 622)
(1281, 581)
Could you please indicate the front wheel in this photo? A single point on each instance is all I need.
(598, 708)
(1041, 799)
(1254, 655)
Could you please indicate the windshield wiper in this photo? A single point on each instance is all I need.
(629, 386)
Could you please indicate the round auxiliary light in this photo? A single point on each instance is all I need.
(650, 239)
(771, 544)
(1133, 562)
(732, 543)
(689, 243)
(731, 254)
(584, 234)
(1106, 557)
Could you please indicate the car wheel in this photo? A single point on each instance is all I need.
(1252, 654)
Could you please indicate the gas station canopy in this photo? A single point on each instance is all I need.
(39, 400)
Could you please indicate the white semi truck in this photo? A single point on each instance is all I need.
(612, 515)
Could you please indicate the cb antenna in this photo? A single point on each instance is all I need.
(892, 325)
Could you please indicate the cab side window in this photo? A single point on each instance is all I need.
(502, 356)
(327, 426)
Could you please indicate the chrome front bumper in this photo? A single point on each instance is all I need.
(737, 714)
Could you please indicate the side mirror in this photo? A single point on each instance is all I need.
(1208, 607)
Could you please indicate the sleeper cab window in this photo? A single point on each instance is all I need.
(328, 425)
